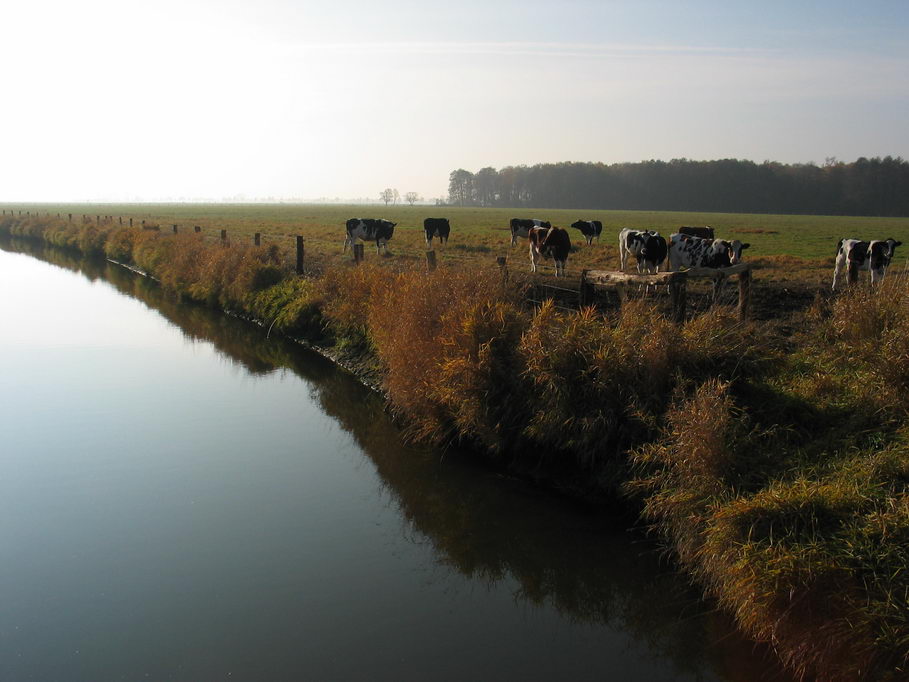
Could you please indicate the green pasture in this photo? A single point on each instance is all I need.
(481, 234)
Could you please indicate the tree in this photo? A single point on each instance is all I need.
(387, 195)
(412, 198)
(460, 187)
(397, 196)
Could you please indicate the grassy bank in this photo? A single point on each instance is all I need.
(775, 462)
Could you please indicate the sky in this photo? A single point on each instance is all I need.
(121, 100)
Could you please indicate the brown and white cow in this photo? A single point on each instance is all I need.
(549, 242)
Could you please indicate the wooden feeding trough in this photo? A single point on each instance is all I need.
(677, 282)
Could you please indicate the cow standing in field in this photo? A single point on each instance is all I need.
(436, 227)
(369, 229)
(686, 251)
(647, 246)
(521, 226)
(589, 228)
(874, 256)
(549, 242)
(705, 232)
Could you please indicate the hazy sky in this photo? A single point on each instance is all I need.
(195, 98)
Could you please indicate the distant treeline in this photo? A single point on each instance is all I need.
(867, 187)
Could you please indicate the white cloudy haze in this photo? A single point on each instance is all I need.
(118, 100)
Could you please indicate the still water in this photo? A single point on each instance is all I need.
(183, 499)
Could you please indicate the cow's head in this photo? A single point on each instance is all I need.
(654, 249)
(735, 251)
(579, 224)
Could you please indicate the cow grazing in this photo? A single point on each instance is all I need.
(647, 247)
(705, 232)
(874, 256)
(686, 251)
(589, 228)
(436, 227)
(521, 226)
(369, 229)
(549, 242)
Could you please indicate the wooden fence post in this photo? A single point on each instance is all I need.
(358, 253)
(197, 229)
(143, 224)
(175, 229)
(431, 260)
(299, 254)
(223, 236)
(257, 239)
(121, 219)
(744, 294)
(70, 217)
(130, 222)
(678, 290)
(97, 220)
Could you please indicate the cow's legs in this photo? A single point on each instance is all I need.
(514, 238)
(877, 274)
(589, 239)
(839, 267)
(429, 240)
(347, 243)
(623, 256)
(533, 258)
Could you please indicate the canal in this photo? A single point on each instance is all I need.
(182, 498)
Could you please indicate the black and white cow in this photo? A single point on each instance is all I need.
(589, 228)
(436, 227)
(369, 229)
(686, 251)
(647, 247)
(549, 242)
(874, 256)
(520, 227)
(705, 232)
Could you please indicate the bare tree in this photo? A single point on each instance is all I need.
(387, 195)
(412, 198)
(397, 197)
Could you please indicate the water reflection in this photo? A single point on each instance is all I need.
(484, 525)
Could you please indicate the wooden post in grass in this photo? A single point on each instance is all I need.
(431, 260)
(130, 222)
(744, 294)
(224, 236)
(299, 254)
(175, 229)
(502, 262)
(257, 239)
(143, 224)
(678, 294)
(121, 219)
(97, 220)
(197, 229)
(358, 253)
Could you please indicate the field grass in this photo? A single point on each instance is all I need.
(797, 248)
